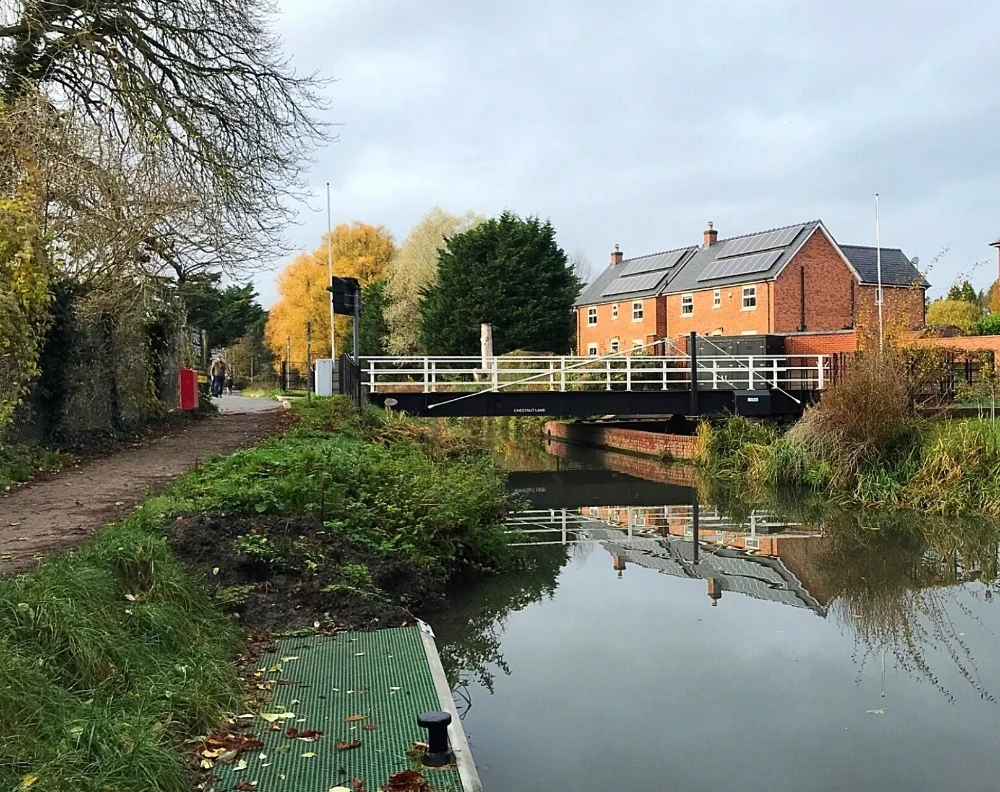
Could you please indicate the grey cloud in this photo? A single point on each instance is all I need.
(635, 123)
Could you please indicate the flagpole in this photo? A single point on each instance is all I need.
(880, 297)
(329, 267)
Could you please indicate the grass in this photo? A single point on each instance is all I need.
(20, 463)
(864, 446)
(110, 658)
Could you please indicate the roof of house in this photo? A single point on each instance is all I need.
(897, 269)
(749, 258)
(995, 243)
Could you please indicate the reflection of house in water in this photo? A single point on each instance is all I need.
(746, 559)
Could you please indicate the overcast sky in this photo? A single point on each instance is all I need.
(637, 122)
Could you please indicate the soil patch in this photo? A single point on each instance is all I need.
(277, 574)
(60, 511)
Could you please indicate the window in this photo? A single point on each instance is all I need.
(687, 304)
(717, 298)
(614, 310)
(637, 311)
(613, 346)
(592, 349)
(749, 298)
(592, 316)
(637, 345)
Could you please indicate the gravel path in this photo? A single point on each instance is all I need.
(59, 511)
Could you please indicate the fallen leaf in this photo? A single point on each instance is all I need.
(358, 784)
(308, 755)
(215, 570)
(354, 718)
(360, 654)
(28, 780)
(875, 712)
(246, 786)
(348, 746)
(271, 717)
(338, 789)
(289, 658)
(207, 764)
(407, 781)
(240, 765)
(369, 727)
(308, 735)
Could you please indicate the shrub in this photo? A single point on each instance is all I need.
(988, 325)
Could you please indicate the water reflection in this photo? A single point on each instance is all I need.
(630, 559)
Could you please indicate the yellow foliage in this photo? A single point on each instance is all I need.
(957, 313)
(359, 250)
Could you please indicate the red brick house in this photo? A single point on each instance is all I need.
(795, 281)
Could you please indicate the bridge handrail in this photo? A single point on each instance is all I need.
(569, 372)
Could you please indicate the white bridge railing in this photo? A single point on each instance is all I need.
(575, 373)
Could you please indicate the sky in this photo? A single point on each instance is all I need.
(636, 123)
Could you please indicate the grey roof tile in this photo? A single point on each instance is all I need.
(897, 269)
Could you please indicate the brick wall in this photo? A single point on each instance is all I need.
(635, 441)
(821, 343)
(967, 343)
(624, 328)
(648, 468)
(729, 318)
(903, 308)
(828, 285)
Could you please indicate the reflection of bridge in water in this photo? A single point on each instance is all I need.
(677, 536)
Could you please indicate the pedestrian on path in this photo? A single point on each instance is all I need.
(217, 372)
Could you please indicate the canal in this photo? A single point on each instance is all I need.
(645, 649)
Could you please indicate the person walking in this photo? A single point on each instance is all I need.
(217, 373)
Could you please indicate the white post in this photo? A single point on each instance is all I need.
(878, 266)
(774, 381)
(564, 525)
(329, 268)
(715, 373)
(629, 512)
(496, 373)
(434, 376)
(371, 375)
(628, 373)
(427, 381)
(663, 369)
(750, 370)
(607, 370)
(821, 365)
(562, 373)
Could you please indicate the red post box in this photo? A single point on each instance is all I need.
(189, 389)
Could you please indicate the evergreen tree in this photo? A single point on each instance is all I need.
(510, 273)
(965, 292)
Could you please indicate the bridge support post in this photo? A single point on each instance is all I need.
(693, 354)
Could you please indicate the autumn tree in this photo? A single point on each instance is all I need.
(415, 268)
(359, 251)
(508, 272)
(957, 313)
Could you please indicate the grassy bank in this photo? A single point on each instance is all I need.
(864, 445)
(20, 463)
(113, 656)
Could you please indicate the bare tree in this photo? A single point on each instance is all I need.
(194, 90)
(583, 267)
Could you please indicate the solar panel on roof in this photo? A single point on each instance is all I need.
(659, 261)
(633, 283)
(741, 265)
(768, 240)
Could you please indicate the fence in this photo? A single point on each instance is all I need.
(949, 375)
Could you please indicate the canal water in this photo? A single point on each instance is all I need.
(781, 649)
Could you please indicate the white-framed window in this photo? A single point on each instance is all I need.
(592, 350)
(749, 298)
(614, 310)
(637, 344)
(613, 346)
(687, 304)
(637, 312)
(593, 511)
(592, 316)
(717, 298)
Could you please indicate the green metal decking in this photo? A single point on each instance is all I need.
(367, 687)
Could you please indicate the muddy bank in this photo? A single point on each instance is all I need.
(277, 574)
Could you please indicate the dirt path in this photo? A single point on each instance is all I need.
(60, 511)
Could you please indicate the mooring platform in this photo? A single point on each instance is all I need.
(363, 691)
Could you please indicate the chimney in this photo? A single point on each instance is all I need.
(616, 256)
(711, 235)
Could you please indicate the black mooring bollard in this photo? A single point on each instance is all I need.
(436, 723)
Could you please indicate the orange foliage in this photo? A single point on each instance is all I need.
(359, 251)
